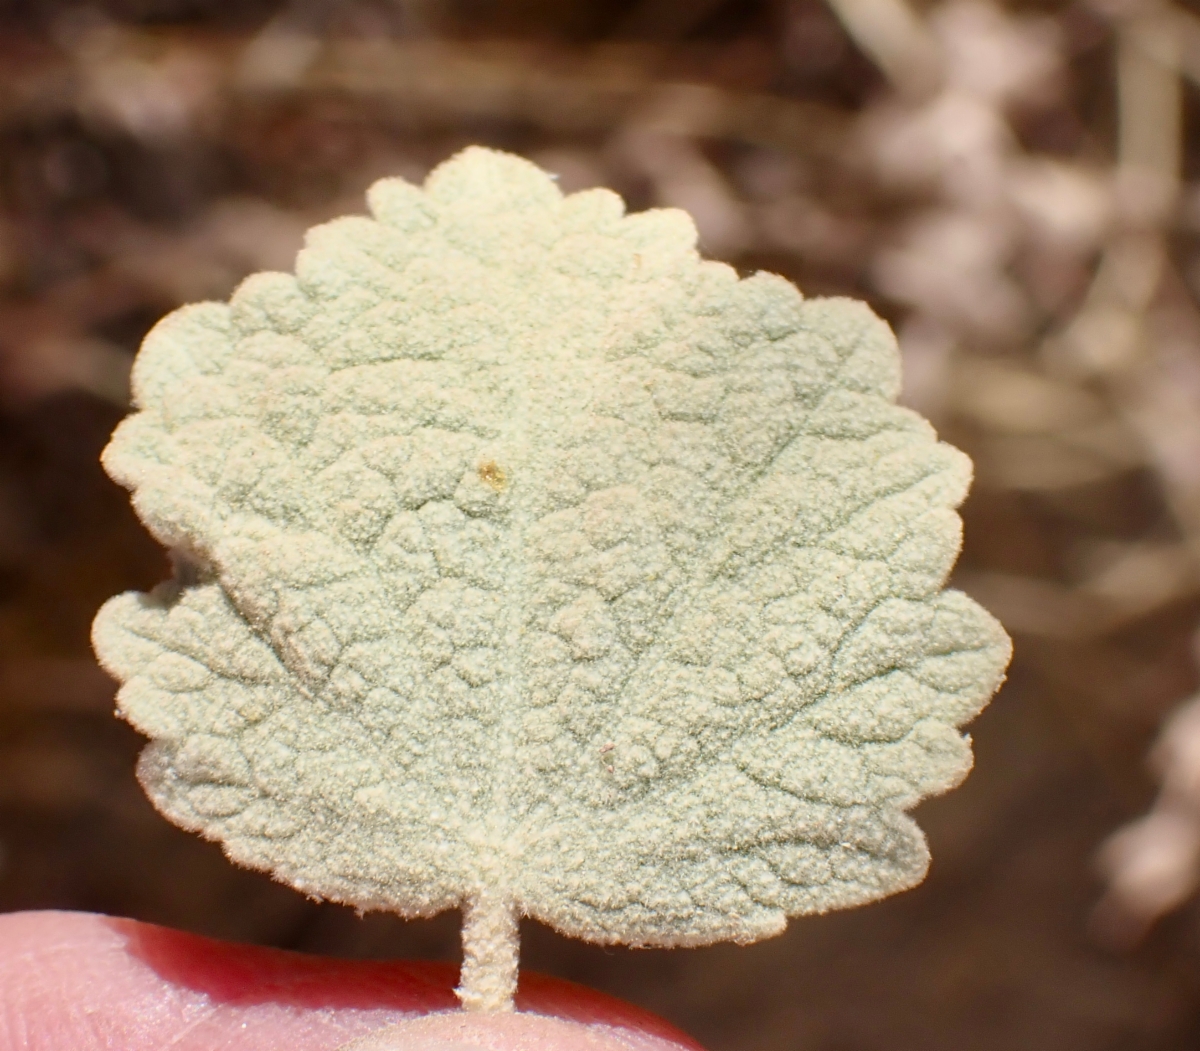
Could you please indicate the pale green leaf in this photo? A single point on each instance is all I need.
(526, 560)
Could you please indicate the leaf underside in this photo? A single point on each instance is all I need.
(522, 551)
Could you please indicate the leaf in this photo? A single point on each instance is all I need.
(527, 563)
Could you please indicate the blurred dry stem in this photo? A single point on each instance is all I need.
(892, 34)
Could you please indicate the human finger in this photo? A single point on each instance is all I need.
(80, 982)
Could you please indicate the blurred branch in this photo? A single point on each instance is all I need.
(1177, 44)
(555, 88)
(1135, 580)
(899, 42)
(1149, 112)
(568, 92)
(1112, 337)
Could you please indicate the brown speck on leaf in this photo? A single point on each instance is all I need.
(492, 474)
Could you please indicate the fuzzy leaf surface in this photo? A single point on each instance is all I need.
(522, 551)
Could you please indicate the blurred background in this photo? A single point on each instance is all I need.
(1015, 187)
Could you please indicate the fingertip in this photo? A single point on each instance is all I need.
(518, 1031)
(80, 982)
